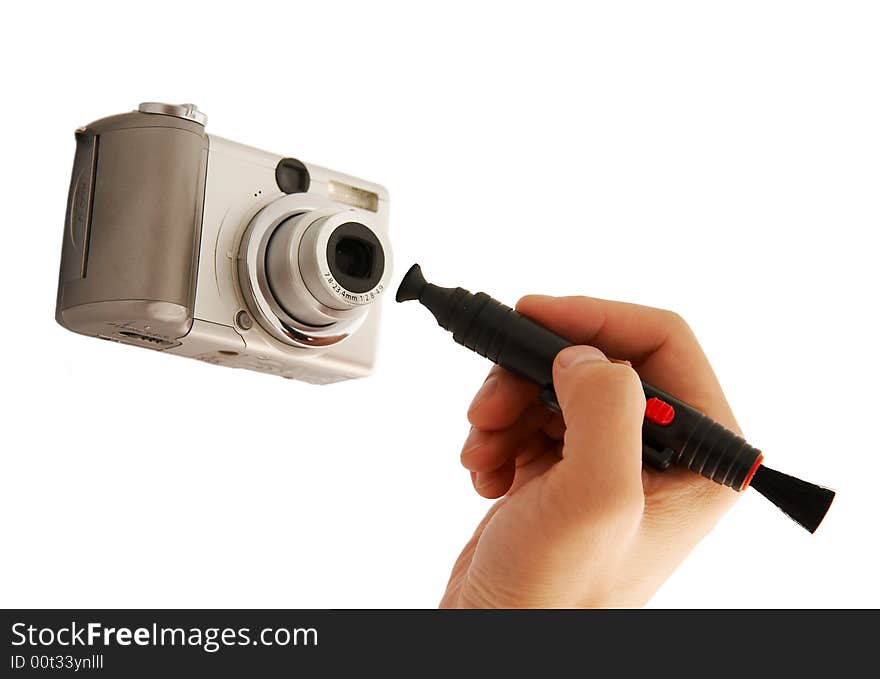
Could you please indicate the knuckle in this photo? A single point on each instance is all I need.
(675, 321)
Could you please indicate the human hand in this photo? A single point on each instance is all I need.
(581, 522)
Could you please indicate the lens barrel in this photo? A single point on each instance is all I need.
(312, 273)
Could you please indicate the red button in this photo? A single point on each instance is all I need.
(659, 412)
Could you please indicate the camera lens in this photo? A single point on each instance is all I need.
(317, 266)
(355, 257)
(310, 276)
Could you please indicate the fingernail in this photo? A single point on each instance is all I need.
(484, 393)
(580, 354)
(475, 439)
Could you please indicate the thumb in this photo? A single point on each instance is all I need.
(603, 406)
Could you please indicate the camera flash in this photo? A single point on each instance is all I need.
(351, 195)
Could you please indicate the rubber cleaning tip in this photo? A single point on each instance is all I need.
(412, 285)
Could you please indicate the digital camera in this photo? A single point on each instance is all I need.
(190, 244)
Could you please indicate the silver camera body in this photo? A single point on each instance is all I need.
(190, 244)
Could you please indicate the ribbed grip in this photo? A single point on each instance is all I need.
(701, 444)
(506, 337)
(718, 454)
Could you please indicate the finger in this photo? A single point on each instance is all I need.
(666, 353)
(501, 400)
(533, 447)
(495, 483)
(484, 450)
(555, 427)
(603, 406)
(660, 345)
(537, 454)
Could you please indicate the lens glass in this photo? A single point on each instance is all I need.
(355, 257)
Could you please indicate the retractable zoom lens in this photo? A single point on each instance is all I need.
(312, 274)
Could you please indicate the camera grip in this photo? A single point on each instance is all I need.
(130, 253)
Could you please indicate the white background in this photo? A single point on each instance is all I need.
(720, 159)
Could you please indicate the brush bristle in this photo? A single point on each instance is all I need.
(806, 503)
